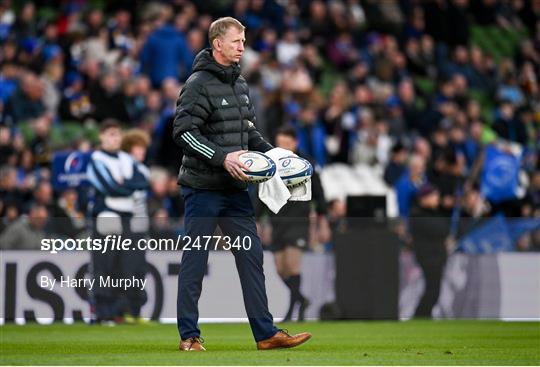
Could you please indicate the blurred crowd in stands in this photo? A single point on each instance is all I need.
(419, 88)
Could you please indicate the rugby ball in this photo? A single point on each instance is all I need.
(261, 167)
(294, 171)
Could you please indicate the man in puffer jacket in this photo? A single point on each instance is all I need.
(214, 124)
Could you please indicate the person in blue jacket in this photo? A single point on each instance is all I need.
(406, 188)
(166, 53)
(311, 135)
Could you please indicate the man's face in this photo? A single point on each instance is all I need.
(417, 166)
(111, 139)
(38, 217)
(286, 142)
(231, 45)
(44, 193)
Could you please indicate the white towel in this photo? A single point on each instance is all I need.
(274, 193)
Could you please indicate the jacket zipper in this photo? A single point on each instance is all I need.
(241, 118)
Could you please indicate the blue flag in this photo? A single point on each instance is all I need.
(500, 175)
(517, 227)
(492, 236)
(69, 169)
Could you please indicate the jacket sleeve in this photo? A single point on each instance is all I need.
(103, 180)
(139, 180)
(192, 111)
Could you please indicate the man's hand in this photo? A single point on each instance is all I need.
(234, 167)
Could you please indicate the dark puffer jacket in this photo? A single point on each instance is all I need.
(214, 116)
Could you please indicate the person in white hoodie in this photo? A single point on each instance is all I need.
(116, 177)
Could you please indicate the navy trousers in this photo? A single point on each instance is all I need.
(233, 212)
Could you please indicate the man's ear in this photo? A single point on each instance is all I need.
(216, 44)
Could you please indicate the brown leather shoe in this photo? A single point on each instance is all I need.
(192, 344)
(283, 340)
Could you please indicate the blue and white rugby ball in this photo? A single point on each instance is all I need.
(261, 167)
(294, 171)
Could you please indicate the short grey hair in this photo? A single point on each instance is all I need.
(219, 27)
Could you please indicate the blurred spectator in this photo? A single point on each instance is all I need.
(40, 144)
(10, 194)
(372, 145)
(317, 24)
(474, 206)
(68, 206)
(386, 15)
(296, 79)
(288, 48)
(26, 232)
(26, 173)
(26, 102)
(25, 25)
(8, 82)
(10, 215)
(196, 42)
(407, 102)
(337, 216)
(446, 173)
(341, 51)
(67, 224)
(7, 151)
(161, 196)
(51, 77)
(508, 126)
(312, 62)
(311, 135)
(161, 225)
(429, 228)
(107, 99)
(409, 183)
(397, 164)
(75, 103)
(508, 14)
(165, 53)
(336, 125)
(479, 76)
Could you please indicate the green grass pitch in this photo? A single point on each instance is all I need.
(333, 343)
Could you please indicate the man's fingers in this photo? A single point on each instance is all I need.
(235, 172)
(237, 161)
(241, 173)
(235, 168)
(232, 171)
